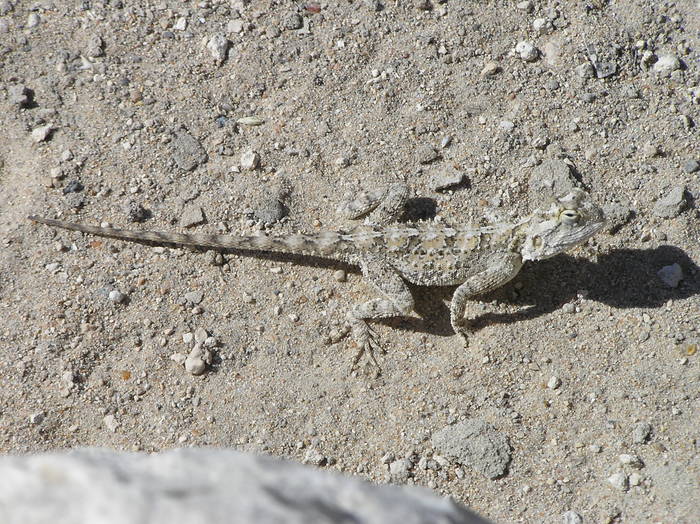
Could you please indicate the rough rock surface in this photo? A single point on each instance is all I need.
(476, 444)
(193, 486)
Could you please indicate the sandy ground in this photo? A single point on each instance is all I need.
(127, 112)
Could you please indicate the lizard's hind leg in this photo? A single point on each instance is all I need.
(382, 206)
(396, 302)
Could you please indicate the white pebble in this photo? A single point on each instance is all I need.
(250, 160)
(635, 479)
(619, 481)
(111, 423)
(666, 64)
(117, 296)
(200, 335)
(218, 47)
(631, 460)
(527, 51)
(198, 359)
(42, 133)
(37, 418)
(554, 383)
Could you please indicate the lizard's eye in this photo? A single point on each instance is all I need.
(569, 216)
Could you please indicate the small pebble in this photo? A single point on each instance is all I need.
(117, 296)
(632, 461)
(691, 166)
(37, 418)
(192, 216)
(293, 21)
(554, 382)
(314, 456)
(506, 125)
(188, 338)
(400, 470)
(527, 51)
(235, 26)
(32, 20)
(40, 134)
(340, 275)
(425, 154)
(200, 335)
(179, 358)
(666, 64)
(218, 46)
(181, 24)
(571, 517)
(568, 308)
(526, 5)
(635, 479)
(671, 275)
(490, 69)
(585, 70)
(19, 95)
(541, 25)
(111, 423)
(444, 181)
(651, 150)
(619, 481)
(672, 203)
(250, 160)
(194, 297)
(198, 359)
(641, 433)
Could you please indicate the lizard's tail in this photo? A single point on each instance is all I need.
(321, 244)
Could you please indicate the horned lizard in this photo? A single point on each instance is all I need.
(389, 253)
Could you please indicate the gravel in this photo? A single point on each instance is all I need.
(156, 119)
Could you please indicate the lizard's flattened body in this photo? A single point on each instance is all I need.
(479, 259)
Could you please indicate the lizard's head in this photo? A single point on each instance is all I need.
(569, 221)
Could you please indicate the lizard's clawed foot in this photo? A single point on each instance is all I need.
(460, 328)
(366, 340)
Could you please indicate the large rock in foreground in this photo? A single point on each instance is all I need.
(201, 486)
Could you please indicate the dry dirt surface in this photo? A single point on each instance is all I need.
(581, 381)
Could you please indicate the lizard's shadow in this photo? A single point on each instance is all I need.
(623, 278)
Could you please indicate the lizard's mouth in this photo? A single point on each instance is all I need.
(569, 240)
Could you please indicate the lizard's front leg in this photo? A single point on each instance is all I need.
(501, 268)
(397, 301)
(383, 206)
